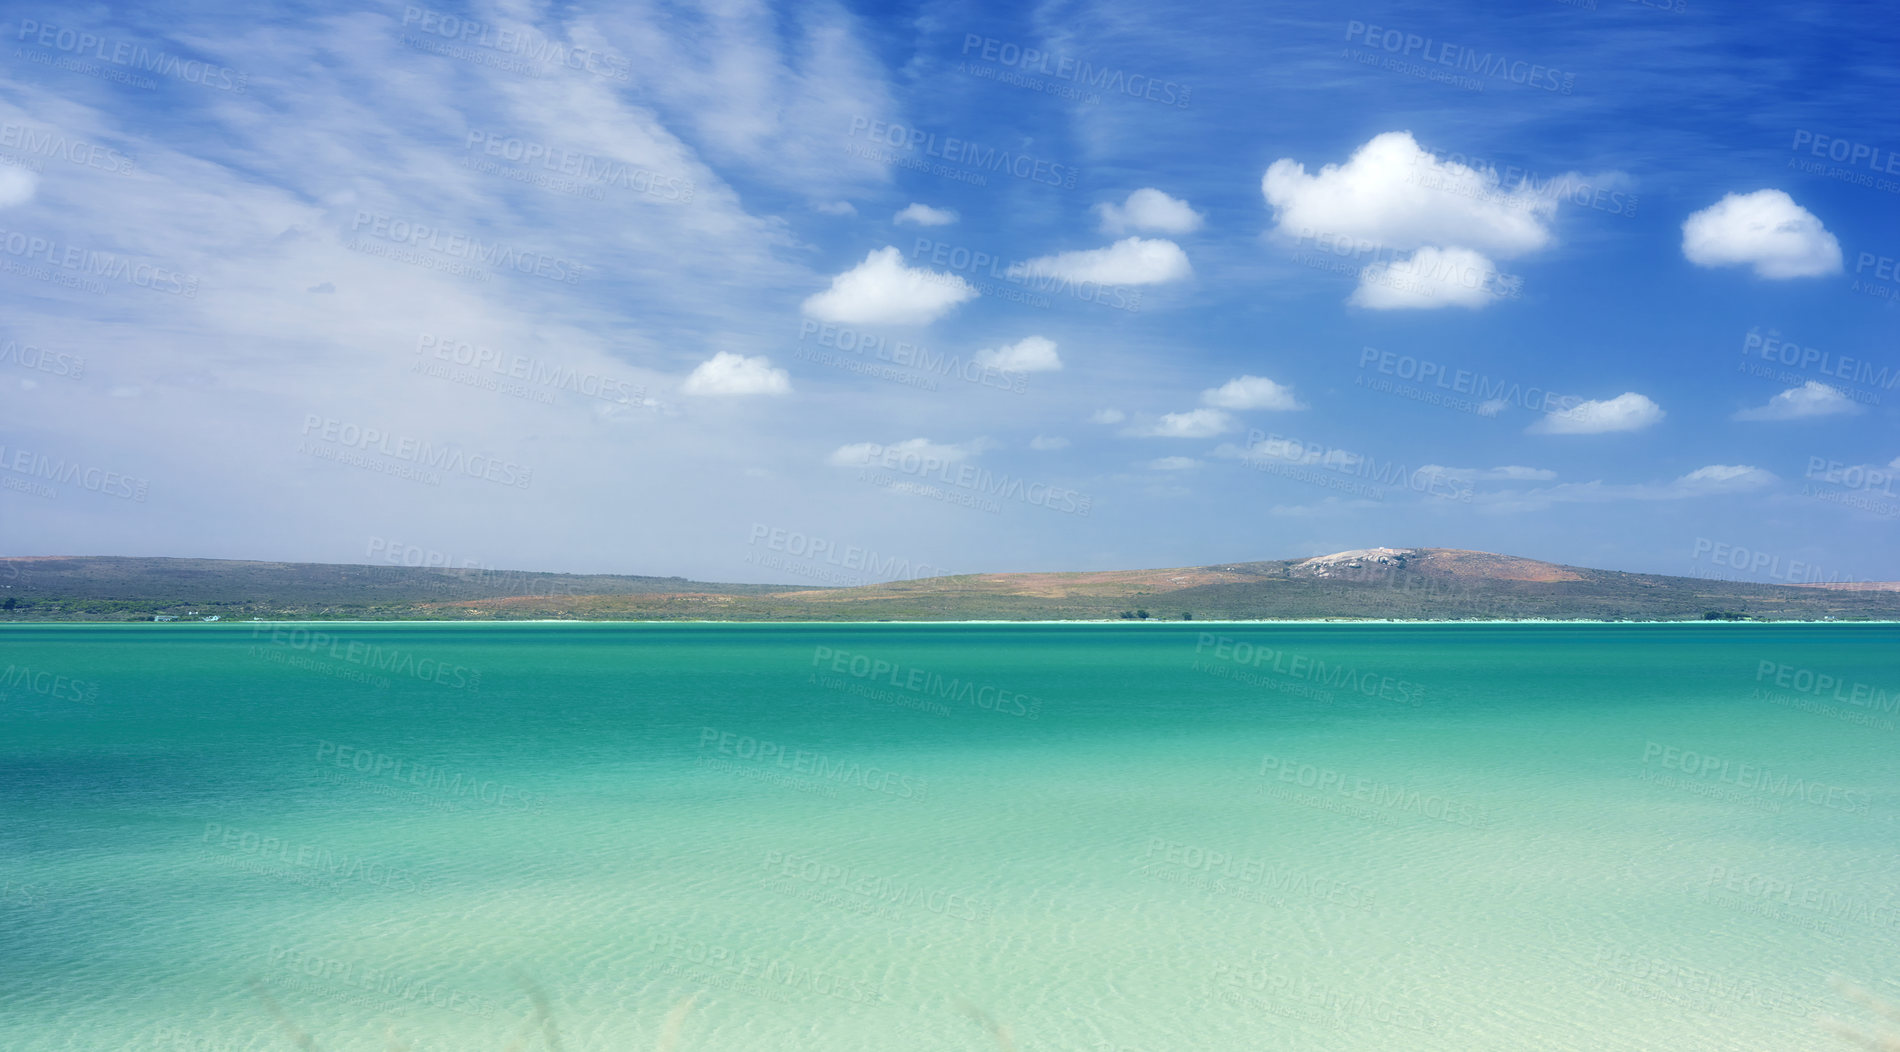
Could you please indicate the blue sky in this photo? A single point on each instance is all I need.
(836, 293)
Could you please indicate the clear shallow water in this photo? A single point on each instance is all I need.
(1128, 838)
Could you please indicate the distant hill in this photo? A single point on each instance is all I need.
(1409, 583)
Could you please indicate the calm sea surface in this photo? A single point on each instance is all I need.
(1124, 838)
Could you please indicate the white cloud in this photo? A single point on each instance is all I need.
(16, 186)
(1195, 423)
(1392, 193)
(836, 208)
(1492, 406)
(1150, 210)
(726, 373)
(882, 290)
(1628, 411)
(1107, 416)
(1723, 478)
(1799, 403)
(924, 215)
(911, 450)
(1130, 261)
(1031, 354)
(1430, 278)
(1047, 443)
(1251, 392)
(1170, 464)
(1507, 473)
(1766, 229)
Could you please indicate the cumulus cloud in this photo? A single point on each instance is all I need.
(882, 290)
(912, 450)
(1148, 209)
(17, 186)
(1628, 411)
(1250, 392)
(1430, 278)
(1811, 399)
(726, 373)
(1048, 443)
(1195, 423)
(1393, 193)
(1031, 354)
(1294, 451)
(1107, 416)
(1130, 261)
(836, 208)
(924, 215)
(1765, 229)
(1171, 464)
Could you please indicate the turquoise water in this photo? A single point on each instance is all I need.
(1127, 838)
